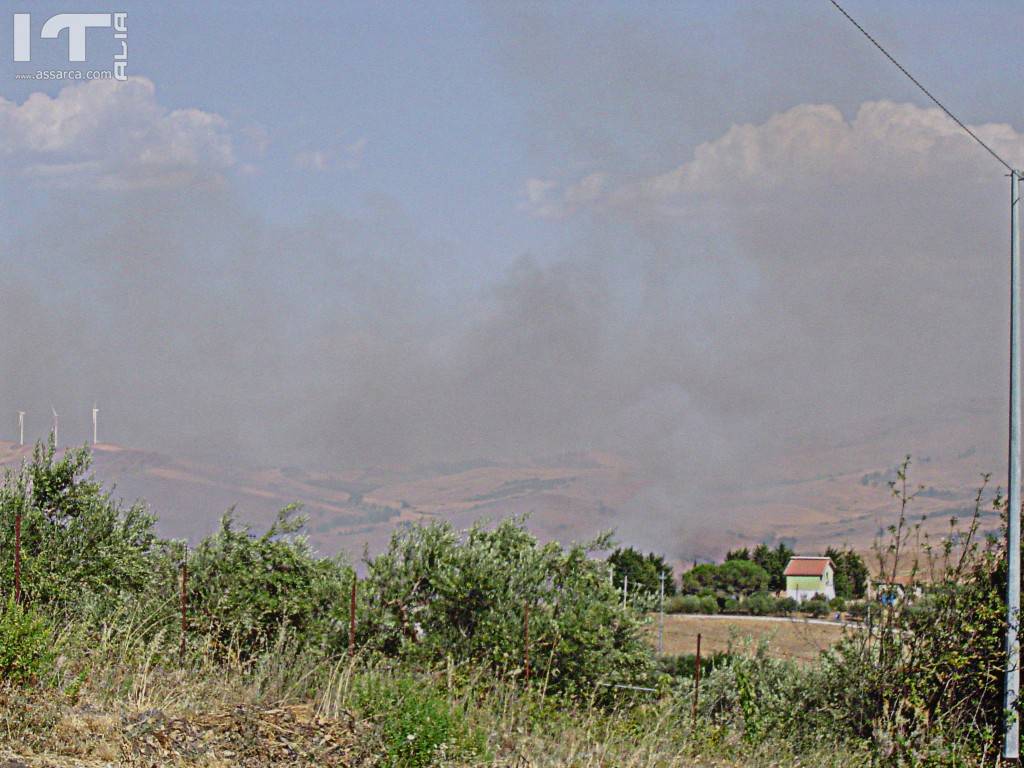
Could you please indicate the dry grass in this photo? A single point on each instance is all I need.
(120, 703)
(794, 639)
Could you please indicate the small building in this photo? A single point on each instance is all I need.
(810, 576)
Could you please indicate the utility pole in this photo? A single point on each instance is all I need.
(1011, 740)
(625, 590)
(661, 610)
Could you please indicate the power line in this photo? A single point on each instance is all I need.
(924, 90)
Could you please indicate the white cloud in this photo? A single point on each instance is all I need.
(544, 198)
(113, 135)
(803, 147)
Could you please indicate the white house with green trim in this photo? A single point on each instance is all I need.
(810, 576)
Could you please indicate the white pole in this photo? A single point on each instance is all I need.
(56, 434)
(661, 608)
(1011, 742)
(625, 589)
(21, 427)
(95, 411)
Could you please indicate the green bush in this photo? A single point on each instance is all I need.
(79, 547)
(418, 725)
(857, 609)
(683, 604)
(245, 591)
(708, 604)
(762, 697)
(437, 594)
(674, 604)
(837, 603)
(816, 606)
(730, 605)
(26, 645)
(760, 604)
(785, 605)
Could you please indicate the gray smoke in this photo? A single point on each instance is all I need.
(747, 268)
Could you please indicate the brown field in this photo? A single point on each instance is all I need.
(795, 639)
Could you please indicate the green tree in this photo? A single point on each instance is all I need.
(644, 571)
(738, 554)
(733, 577)
(774, 561)
(851, 575)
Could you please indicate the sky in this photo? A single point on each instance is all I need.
(353, 234)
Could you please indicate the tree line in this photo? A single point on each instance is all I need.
(744, 572)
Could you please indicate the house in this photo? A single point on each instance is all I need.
(810, 576)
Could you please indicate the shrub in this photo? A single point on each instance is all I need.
(437, 594)
(683, 604)
(675, 604)
(79, 547)
(730, 605)
(709, 604)
(857, 609)
(760, 604)
(26, 645)
(418, 725)
(785, 605)
(816, 606)
(837, 603)
(244, 591)
(923, 680)
(762, 697)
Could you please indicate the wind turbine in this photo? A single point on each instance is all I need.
(95, 412)
(56, 424)
(21, 427)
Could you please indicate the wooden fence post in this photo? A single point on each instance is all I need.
(526, 642)
(17, 557)
(696, 681)
(352, 619)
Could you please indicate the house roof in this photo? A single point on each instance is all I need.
(807, 566)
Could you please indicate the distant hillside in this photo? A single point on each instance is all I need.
(811, 493)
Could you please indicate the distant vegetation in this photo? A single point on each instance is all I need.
(643, 573)
(482, 647)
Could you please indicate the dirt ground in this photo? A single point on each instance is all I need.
(796, 639)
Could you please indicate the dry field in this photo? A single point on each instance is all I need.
(796, 639)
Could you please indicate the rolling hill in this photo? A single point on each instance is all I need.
(811, 493)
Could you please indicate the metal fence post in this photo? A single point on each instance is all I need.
(696, 681)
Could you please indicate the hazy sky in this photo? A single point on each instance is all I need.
(354, 233)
